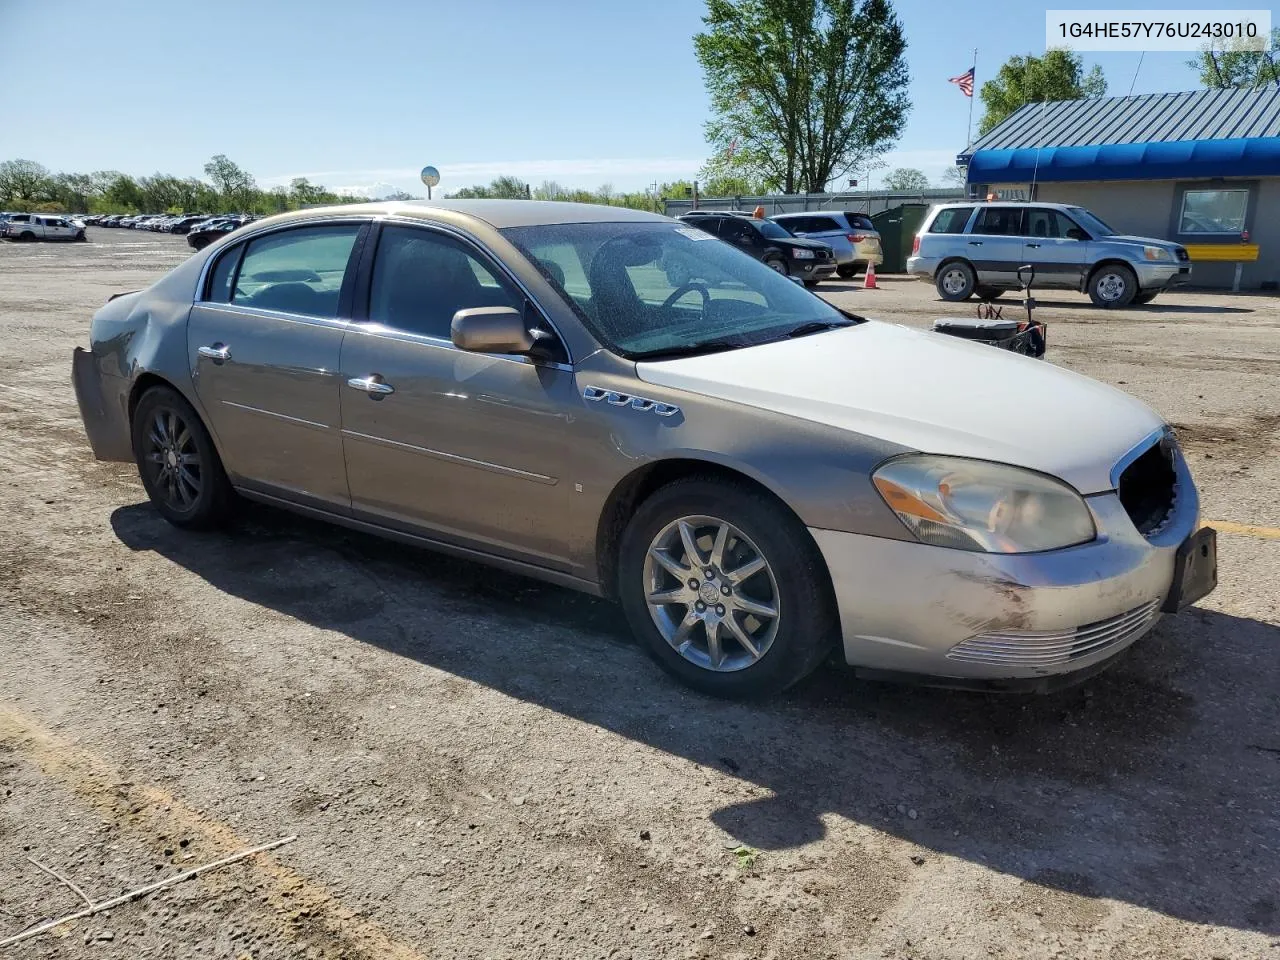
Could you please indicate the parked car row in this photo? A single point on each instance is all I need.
(808, 246)
(41, 226)
(181, 223)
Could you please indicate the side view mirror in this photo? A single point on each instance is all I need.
(492, 330)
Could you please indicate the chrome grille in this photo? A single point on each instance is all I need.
(1055, 648)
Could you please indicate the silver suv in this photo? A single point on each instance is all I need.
(977, 247)
(852, 236)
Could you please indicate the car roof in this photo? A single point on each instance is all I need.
(496, 213)
(1008, 203)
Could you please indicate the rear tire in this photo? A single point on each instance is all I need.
(787, 576)
(178, 463)
(956, 281)
(27, 236)
(1112, 286)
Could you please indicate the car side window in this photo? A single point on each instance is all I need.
(223, 273)
(296, 271)
(735, 231)
(422, 278)
(823, 224)
(949, 220)
(999, 221)
(1044, 223)
(798, 224)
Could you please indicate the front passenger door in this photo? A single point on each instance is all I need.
(469, 448)
(1059, 259)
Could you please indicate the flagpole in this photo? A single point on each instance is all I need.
(968, 136)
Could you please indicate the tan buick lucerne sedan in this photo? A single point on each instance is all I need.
(756, 476)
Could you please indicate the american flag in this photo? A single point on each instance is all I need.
(964, 82)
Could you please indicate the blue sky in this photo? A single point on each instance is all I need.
(353, 94)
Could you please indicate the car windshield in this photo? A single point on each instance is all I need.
(649, 289)
(1091, 223)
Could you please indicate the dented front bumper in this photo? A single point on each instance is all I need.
(951, 614)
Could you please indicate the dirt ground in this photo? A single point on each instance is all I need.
(476, 765)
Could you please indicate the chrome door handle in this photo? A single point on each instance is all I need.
(1036, 245)
(975, 243)
(217, 353)
(375, 388)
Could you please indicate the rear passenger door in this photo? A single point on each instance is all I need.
(264, 340)
(995, 245)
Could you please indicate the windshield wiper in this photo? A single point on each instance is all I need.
(817, 326)
(693, 349)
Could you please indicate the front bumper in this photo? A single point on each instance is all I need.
(933, 612)
(812, 270)
(1162, 275)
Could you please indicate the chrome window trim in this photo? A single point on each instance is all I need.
(336, 323)
(384, 332)
(490, 257)
(1138, 449)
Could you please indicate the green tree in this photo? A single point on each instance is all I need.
(1058, 75)
(1226, 66)
(236, 186)
(802, 90)
(25, 182)
(503, 188)
(906, 178)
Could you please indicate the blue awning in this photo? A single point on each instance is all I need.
(1168, 160)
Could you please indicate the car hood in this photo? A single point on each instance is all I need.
(930, 392)
(1139, 241)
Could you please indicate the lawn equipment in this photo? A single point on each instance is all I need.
(1026, 337)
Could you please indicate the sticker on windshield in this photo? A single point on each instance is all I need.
(693, 233)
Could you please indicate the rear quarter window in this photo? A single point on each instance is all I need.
(859, 221)
(950, 220)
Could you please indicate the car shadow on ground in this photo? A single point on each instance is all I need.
(1154, 784)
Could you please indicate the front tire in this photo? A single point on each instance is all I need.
(1112, 286)
(726, 588)
(778, 265)
(956, 281)
(177, 461)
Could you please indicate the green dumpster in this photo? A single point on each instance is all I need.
(897, 227)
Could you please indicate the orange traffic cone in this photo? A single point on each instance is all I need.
(870, 282)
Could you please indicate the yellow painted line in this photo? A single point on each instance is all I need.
(153, 812)
(1226, 526)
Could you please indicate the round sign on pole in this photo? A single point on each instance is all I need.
(430, 176)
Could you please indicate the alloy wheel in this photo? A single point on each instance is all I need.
(711, 593)
(172, 460)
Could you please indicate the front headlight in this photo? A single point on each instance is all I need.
(1156, 253)
(800, 253)
(975, 505)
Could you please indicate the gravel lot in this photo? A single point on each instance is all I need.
(477, 765)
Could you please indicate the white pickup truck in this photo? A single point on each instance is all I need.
(42, 226)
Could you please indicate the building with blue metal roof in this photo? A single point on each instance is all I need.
(1201, 168)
